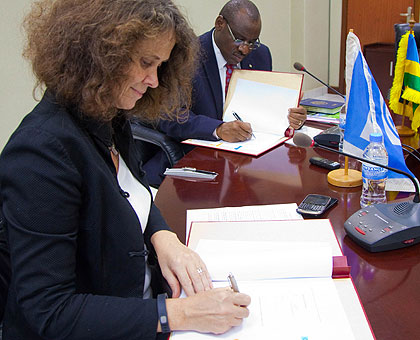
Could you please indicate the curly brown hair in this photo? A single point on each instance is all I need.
(81, 50)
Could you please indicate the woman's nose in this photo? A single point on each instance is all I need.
(152, 79)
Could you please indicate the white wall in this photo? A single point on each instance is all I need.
(16, 81)
(335, 41)
(310, 29)
(295, 30)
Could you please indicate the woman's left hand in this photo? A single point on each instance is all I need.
(180, 265)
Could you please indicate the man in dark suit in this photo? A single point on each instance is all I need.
(232, 43)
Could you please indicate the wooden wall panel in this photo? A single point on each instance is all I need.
(373, 20)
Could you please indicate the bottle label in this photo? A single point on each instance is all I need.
(373, 172)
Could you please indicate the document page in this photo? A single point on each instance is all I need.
(292, 231)
(245, 213)
(256, 260)
(305, 309)
(258, 144)
(264, 106)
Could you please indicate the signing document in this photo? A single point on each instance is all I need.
(262, 99)
(292, 293)
(288, 269)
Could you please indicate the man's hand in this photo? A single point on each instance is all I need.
(235, 131)
(297, 117)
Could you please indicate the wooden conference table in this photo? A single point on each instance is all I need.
(388, 283)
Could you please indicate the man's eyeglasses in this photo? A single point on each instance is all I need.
(252, 45)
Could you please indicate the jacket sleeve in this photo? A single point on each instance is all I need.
(155, 223)
(198, 126)
(4, 266)
(42, 191)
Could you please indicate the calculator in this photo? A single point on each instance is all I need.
(314, 204)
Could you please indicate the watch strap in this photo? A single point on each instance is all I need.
(163, 315)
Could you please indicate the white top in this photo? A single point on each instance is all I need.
(140, 199)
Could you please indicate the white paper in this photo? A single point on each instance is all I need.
(256, 260)
(400, 184)
(287, 310)
(268, 115)
(254, 146)
(245, 213)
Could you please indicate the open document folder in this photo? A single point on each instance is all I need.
(262, 99)
(286, 267)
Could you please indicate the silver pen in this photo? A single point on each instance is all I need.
(233, 283)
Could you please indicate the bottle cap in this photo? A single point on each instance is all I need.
(375, 137)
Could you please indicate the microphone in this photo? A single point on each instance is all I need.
(379, 227)
(298, 66)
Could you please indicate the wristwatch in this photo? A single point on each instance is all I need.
(163, 315)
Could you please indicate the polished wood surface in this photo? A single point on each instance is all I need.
(387, 283)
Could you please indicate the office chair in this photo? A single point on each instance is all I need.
(145, 134)
(149, 141)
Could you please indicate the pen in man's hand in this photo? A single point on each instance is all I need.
(233, 283)
(240, 119)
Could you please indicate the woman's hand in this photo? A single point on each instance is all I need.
(180, 265)
(214, 311)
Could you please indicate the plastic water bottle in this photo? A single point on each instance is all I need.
(374, 177)
(341, 126)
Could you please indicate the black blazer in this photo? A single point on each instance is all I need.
(76, 247)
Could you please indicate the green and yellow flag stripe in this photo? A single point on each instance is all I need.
(406, 84)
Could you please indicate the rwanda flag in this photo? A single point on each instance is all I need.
(367, 112)
(406, 84)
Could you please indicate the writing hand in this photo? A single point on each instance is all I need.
(235, 131)
(213, 311)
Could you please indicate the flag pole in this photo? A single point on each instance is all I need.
(345, 178)
(405, 131)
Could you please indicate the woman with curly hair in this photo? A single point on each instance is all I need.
(90, 252)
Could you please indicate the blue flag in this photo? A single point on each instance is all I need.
(367, 112)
